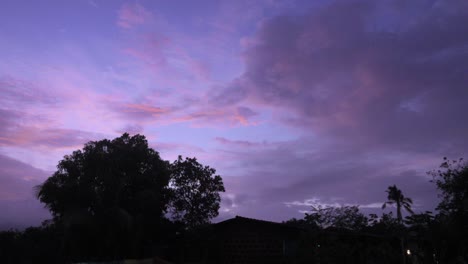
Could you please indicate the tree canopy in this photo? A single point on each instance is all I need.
(121, 190)
(343, 217)
(195, 192)
(452, 180)
(125, 173)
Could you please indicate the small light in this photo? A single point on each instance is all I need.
(318, 245)
(408, 252)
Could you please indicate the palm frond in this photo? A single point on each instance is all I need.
(408, 208)
(384, 205)
(408, 200)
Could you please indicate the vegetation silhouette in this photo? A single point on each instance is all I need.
(194, 192)
(396, 197)
(422, 237)
(344, 217)
(451, 224)
(117, 199)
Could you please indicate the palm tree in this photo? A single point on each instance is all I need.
(395, 196)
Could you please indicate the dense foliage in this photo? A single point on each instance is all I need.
(452, 180)
(116, 198)
(344, 217)
(195, 192)
(123, 173)
(452, 221)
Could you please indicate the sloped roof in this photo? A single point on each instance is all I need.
(239, 220)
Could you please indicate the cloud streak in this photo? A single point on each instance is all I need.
(132, 15)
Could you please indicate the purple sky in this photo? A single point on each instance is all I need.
(295, 103)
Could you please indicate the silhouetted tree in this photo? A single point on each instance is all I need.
(396, 197)
(385, 224)
(344, 217)
(112, 197)
(452, 180)
(302, 223)
(122, 173)
(104, 191)
(420, 220)
(33, 245)
(195, 192)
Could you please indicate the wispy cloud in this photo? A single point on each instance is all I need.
(132, 14)
(317, 202)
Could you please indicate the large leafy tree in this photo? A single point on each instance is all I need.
(123, 173)
(110, 197)
(195, 192)
(452, 181)
(396, 197)
(122, 191)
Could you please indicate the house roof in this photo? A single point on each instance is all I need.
(245, 221)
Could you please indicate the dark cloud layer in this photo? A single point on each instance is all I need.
(18, 205)
(379, 89)
(351, 70)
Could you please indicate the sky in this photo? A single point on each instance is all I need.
(294, 103)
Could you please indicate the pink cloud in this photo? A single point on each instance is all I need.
(51, 138)
(17, 90)
(214, 116)
(147, 109)
(150, 49)
(29, 116)
(131, 15)
(168, 58)
(244, 115)
(193, 112)
(199, 69)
